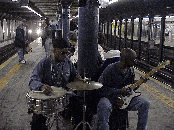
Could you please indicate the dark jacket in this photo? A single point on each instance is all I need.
(20, 37)
(113, 79)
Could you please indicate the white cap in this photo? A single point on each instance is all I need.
(112, 53)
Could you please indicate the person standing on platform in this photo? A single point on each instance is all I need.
(20, 41)
(46, 36)
(114, 78)
(56, 70)
(53, 28)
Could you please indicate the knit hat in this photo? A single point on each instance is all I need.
(60, 43)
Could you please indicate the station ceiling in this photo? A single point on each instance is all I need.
(15, 9)
(137, 8)
(46, 8)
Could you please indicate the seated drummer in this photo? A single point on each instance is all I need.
(56, 70)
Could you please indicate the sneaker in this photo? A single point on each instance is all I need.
(23, 62)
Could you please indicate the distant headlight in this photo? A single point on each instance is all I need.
(39, 31)
(30, 31)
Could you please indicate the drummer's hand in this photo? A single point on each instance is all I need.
(47, 90)
(78, 77)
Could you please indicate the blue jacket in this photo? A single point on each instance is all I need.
(43, 74)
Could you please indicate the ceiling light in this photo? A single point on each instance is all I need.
(32, 10)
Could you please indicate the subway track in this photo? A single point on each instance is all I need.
(14, 79)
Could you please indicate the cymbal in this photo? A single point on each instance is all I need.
(84, 85)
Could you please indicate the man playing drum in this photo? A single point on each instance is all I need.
(56, 70)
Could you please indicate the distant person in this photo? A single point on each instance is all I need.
(20, 41)
(56, 70)
(72, 38)
(53, 28)
(46, 37)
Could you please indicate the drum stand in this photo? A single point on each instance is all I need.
(50, 124)
(83, 121)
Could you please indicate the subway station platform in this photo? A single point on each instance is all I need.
(14, 78)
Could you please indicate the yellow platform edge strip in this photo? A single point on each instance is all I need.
(6, 78)
(8, 61)
(155, 92)
(156, 81)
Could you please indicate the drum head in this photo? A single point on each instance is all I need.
(57, 92)
(58, 89)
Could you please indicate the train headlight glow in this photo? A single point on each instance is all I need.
(39, 31)
(30, 31)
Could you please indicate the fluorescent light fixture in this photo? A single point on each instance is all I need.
(105, 3)
(112, 1)
(32, 10)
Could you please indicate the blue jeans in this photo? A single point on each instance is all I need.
(21, 52)
(47, 46)
(139, 104)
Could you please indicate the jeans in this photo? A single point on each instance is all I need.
(47, 46)
(139, 104)
(21, 52)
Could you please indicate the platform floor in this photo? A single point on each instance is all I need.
(14, 79)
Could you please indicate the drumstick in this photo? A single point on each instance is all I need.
(70, 92)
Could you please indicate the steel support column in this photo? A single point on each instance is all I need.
(65, 20)
(87, 38)
(104, 31)
(125, 34)
(60, 21)
(111, 34)
(150, 40)
(102, 28)
(115, 27)
(150, 28)
(132, 32)
(139, 37)
(162, 39)
(8, 26)
(107, 33)
(120, 26)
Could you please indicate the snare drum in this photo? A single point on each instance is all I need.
(40, 103)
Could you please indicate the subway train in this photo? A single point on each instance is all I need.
(145, 26)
